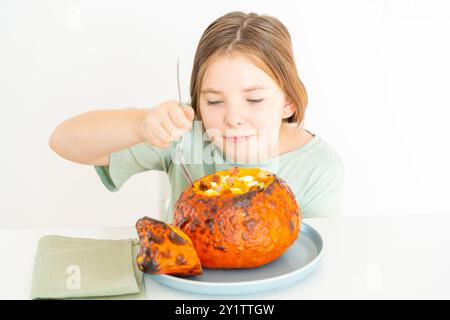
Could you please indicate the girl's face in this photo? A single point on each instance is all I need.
(242, 109)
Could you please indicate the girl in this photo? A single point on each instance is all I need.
(246, 97)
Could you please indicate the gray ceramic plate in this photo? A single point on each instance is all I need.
(300, 260)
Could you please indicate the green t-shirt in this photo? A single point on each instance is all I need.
(314, 172)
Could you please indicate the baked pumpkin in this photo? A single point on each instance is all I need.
(238, 218)
(165, 249)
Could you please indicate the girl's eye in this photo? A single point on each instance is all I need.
(255, 100)
(249, 100)
(213, 102)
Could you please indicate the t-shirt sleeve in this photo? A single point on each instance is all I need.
(127, 162)
(324, 197)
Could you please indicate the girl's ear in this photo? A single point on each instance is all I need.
(289, 109)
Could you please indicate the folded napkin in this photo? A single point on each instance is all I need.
(86, 268)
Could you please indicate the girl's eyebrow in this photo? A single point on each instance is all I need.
(257, 87)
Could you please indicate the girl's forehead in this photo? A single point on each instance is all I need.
(234, 73)
(229, 64)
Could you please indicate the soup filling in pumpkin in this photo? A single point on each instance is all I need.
(235, 181)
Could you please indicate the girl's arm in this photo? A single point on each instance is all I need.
(89, 138)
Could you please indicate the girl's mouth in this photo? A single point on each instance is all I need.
(236, 139)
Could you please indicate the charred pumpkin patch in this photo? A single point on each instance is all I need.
(165, 249)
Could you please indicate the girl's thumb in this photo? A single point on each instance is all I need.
(189, 112)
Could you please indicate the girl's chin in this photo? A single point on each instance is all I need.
(242, 155)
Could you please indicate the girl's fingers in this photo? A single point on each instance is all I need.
(158, 143)
(161, 134)
(179, 117)
(154, 140)
(170, 127)
(189, 112)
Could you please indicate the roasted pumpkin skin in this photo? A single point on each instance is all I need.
(239, 230)
(165, 249)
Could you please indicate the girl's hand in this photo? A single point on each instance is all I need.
(166, 122)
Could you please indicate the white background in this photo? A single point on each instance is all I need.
(377, 74)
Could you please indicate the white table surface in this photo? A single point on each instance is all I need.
(405, 256)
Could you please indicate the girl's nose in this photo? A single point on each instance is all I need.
(233, 118)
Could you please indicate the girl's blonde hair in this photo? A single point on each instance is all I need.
(261, 38)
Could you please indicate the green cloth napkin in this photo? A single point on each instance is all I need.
(86, 268)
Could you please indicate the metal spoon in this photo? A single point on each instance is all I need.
(179, 149)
